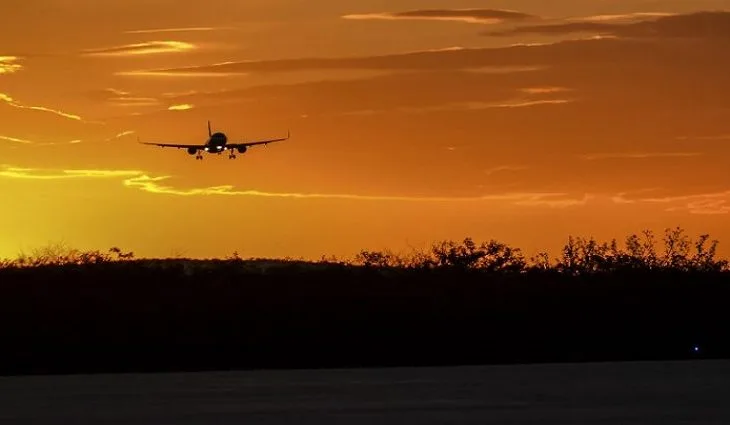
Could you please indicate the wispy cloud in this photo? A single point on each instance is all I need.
(422, 59)
(12, 102)
(501, 60)
(501, 168)
(123, 98)
(526, 103)
(600, 28)
(503, 69)
(606, 42)
(705, 203)
(155, 184)
(717, 137)
(134, 101)
(147, 48)
(15, 140)
(181, 107)
(444, 49)
(31, 142)
(461, 106)
(474, 16)
(712, 203)
(120, 135)
(38, 174)
(180, 94)
(544, 90)
(706, 206)
(67, 142)
(699, 25)
(116, 92)
(485, 60)
(181, 29)
(555, 203)
(180, 73)
(639, 155)
(626, 17)
(9, 65)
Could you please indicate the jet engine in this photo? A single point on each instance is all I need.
(241, 149)
(192, 151)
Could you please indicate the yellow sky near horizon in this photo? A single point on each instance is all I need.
(412, 121)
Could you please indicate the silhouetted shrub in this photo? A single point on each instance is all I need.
(59, 254)
(582, 255)
(579, 255)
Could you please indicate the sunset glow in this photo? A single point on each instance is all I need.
(524, 121)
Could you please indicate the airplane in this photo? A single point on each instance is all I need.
(218, 143)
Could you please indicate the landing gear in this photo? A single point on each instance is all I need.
(232, 155)
(199, 156)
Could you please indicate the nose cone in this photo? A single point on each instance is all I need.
(219, 138)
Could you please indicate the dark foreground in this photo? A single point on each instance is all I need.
(667, 393)
(172, 316)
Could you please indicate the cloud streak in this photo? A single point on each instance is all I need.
(120, 135)
(181, 107)
(36, 174)
(622, 17)
(180, 29)
(640, 155)
(9, 65)
(15, 140)
(714, 203)
(30, 142)
(147, 48)
(122, 98)
(706, 203)
(718, 137)
(501, 60)
(125, 101)
(501, 168)
(190, 72)
(700, 25)
(463, 106)
(472, 16)
(154, 184)
(10, 101)
(544, 90)
(69, 142)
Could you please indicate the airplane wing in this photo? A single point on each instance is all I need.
(172, 145)
(258, 142)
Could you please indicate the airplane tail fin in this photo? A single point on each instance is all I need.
(209, 132)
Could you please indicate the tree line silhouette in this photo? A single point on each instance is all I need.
(70, 311)
(579, 255)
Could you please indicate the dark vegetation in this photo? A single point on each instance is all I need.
(64, 311)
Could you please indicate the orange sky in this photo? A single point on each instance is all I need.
(412, 121)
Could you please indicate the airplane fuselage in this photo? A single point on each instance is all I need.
(216, 143)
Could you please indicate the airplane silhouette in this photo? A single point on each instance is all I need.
(217, 143)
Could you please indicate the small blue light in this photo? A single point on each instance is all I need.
(696, 349)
